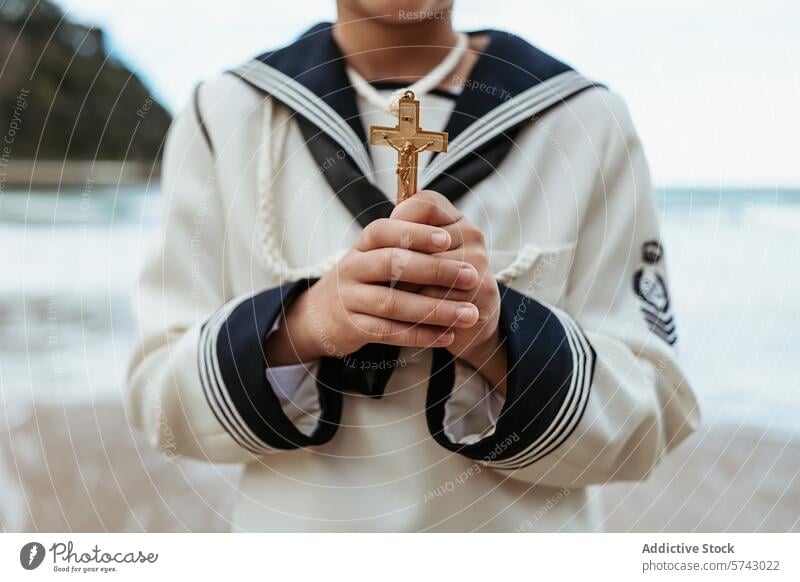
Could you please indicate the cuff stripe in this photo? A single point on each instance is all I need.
(577, 413)
(233, 363)
(214, 388)
(574, 404)
(557, 426)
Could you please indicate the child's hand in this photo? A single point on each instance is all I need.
(357, 302)
(479, 343)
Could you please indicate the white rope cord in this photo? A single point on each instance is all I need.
(430, 81)
(266, 211)
(273, 140)
(519, 266)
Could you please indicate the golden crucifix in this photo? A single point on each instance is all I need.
(409, 140)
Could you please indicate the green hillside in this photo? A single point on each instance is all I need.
(62, 96)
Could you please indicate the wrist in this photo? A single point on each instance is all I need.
(489, 358)
(293, 341)
(480, 352)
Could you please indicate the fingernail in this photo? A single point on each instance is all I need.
(467, 314)
(466, 275)
(439, 239)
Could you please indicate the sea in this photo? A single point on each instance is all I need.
(69, 260)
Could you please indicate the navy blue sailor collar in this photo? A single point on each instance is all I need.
(315, 61)
(511, 82)
(507, 67)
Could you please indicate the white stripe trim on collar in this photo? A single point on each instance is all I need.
(498, 120)
(301, 99)
(525, 105)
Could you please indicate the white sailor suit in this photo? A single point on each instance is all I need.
(268, 178)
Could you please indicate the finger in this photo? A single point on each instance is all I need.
(471, 255)
(461, 253)
(409, 307)
(397, 333)
(464, 233)
(456, 234)
(441, 293)
(393, 264)
(386, 232)
(427, 207)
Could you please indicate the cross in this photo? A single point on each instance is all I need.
(408, 140)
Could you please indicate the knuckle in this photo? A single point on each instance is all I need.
(400, 209)
(344, 268)
(438, 313)
(347, 259)
(408, 208)
(481, 261)
(352, 260)
(432, 196)
(407, 236)
(354, 270)
(387, 304)
(371, 235)
(385, 260)
(474, 234)
(368, 234)
(360, 326)
(380, 225)
(405, 258)
(394, 263)
(443, 273)
(381, 329)
(427, 208)
(417, 208)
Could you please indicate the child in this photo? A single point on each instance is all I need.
(452, 363)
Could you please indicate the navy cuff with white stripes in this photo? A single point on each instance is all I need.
(550, 369)
(232, 366)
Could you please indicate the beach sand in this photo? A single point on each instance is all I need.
(81, 468)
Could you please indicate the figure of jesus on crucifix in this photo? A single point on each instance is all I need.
(406, 163)
(409, 141)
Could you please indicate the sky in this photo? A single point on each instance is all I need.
(713, 85)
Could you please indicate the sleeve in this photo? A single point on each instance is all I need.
(594, 391)
(472, 408)
(197, 381)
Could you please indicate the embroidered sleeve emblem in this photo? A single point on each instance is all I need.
(651, 289)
